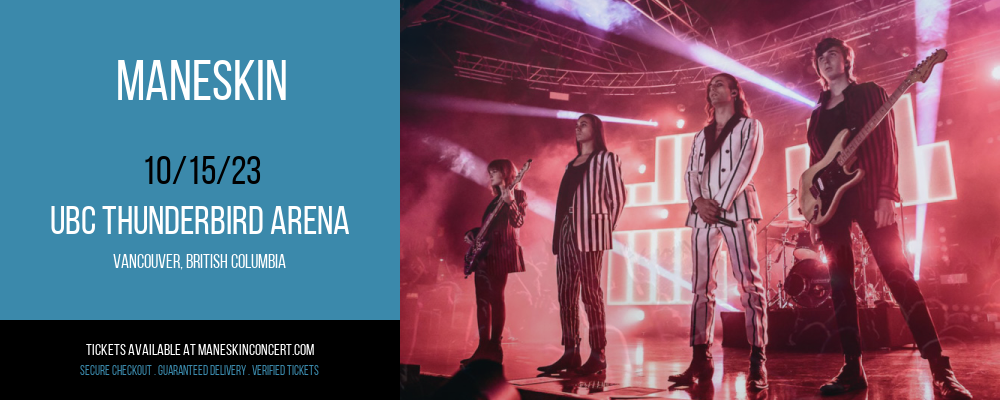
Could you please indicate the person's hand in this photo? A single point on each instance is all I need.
(506, 195)
(885, 213)
(469, 237)
(708, 209)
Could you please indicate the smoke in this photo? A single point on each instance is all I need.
(607, 15)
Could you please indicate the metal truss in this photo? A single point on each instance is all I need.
(677, 18)
(767, 54)
(500, 21)
(964, 56)
(608, 83)
(771, 52)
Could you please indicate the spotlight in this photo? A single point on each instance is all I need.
(642, 169)
(664, 213)
(680, 123)
(913, 247)
(635, 315)
(996, 72)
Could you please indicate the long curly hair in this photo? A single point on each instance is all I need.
(740, 104)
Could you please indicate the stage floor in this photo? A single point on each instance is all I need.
(645, 363)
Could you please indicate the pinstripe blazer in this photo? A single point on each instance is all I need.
(503, 253)
(728, 176)
(597, 203)
(878, 156)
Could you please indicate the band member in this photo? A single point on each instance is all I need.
(591, 198)
(503, 256)
(724, 206)
(848, 104)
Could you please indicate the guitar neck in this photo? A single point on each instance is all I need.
(852, 147)
(482, 231)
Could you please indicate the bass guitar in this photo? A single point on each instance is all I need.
(477, 251)
(823, 185)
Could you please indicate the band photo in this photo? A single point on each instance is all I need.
(698, 199)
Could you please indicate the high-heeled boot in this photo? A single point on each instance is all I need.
(851, 377)
(479, 353)
(570, 359)
(945, 383)
(597, 363)
(701, 367)
(757, 378)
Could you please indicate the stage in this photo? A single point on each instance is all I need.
(644, 364)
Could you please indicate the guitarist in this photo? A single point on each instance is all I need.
(591, 198)
(848, 104)
(503, 255)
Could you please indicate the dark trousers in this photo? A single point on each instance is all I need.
(887, 248)
(576, 272)
(490, 309)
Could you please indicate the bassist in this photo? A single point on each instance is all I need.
(846, 104)
(503, 255)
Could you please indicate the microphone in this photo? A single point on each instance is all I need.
(727, 222)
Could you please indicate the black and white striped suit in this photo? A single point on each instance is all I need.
(726, 177)
(580, 239)
(597, 203)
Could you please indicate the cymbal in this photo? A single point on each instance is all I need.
(788, 224)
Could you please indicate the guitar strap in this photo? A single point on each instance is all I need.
(712, 143)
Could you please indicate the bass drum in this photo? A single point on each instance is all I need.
(808, 284)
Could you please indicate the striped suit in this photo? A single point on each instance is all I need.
(579, 241)
(597, 204)
(726, 177)
(503, 256)
(878, 155)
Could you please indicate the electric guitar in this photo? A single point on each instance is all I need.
(478, 249)
(823, 185)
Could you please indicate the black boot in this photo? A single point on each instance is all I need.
(494, 351)
(570, 359)
(479, 353)
(597, 363)
(757, 379)
(701, 368)
(945, 384)
(851, 377)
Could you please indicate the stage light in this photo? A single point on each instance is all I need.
(642, 169)
(913, 247)
(635, 315)
(664, 213)
(708, 56)
(996, 72)
(562, 114)
(931, 21)
(680, 124)
(465, 104)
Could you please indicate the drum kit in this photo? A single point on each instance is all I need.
(797, 273)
